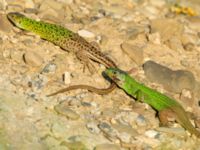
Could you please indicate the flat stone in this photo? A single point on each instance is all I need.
(3, 4)
(175, 44)
(33, 59)
(189, 41)
(52, 11)
(171, 130)
(14, 8)
(107, 147)
(135, 52)
(17, 55)
(126, 129)
(51, 4)
(167, 28)
(63, 109)
(77, 145)
(30, 10)
(92, 127)
(5, 25)
(194, 23)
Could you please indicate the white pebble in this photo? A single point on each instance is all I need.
(85, 33)
(67, 78)
(151, 133)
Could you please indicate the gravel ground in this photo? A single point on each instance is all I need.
(160, 39)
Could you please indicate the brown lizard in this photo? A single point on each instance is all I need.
(68, 41)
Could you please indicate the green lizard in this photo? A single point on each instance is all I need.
(68, 41)
(158, 101)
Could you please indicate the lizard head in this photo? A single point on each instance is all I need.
(116, 75)
(16, 18)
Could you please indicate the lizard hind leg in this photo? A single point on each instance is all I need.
(166, 116)
(82, 55)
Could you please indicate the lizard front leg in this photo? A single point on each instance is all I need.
(139, 95)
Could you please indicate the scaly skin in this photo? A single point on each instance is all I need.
(155, 99)
(69, 41)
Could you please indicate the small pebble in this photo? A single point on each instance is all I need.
(151, 133)
(29, 4)
(140, 120)
(92, 127)
(7, 53)
(30, 10)
(67, 77)
(49, 68)
(124, 137)
(86, 34)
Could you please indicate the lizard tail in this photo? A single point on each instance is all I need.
(86, 87)
(183, 119)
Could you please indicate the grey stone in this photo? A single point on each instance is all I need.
(182, 79)
(49, 68)
(141, 121)
(174, 81)
(157, 73)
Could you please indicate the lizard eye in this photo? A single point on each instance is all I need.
(114, 72)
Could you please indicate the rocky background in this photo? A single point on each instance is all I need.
(159, 39)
